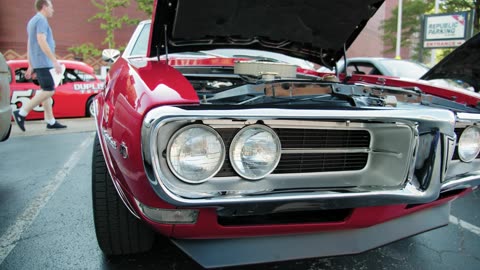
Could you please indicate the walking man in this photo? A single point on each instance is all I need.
(41, 58)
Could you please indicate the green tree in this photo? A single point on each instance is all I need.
(109, 21)
(411, 13)
(463, 5)
(145, 6)
(456, 6)
(85, 51)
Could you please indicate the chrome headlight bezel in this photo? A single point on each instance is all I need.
(239, 141)
(174, 168)
(467, 141)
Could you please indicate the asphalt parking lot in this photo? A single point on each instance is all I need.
(46, 219)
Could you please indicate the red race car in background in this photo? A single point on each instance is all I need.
(73, 97)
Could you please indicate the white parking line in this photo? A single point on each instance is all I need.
(467, 226)
(9, 239)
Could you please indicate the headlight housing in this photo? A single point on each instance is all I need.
(195, 153)
(255, 152)
(469, 144)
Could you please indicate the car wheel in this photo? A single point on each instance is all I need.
(118, 231)
(89, 108)
(7, 135)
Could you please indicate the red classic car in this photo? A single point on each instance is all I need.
(73, 97)
(238, 160)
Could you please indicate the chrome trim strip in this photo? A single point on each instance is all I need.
(466, 181)
(327, 151)
(123, 197)
(443, 118)
(462, 175)
(472, 117)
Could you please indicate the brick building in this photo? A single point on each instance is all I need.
(69, 24)
(71, 27)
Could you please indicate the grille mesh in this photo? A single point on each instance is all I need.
(308, 163)
(323, 138)
(311, 139)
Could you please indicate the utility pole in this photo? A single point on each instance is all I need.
(399, 30)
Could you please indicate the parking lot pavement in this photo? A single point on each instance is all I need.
(46, 219)
(39, 127)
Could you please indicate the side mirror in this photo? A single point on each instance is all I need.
(110, 55)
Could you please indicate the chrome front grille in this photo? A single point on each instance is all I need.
(342, 156)
(300, 141)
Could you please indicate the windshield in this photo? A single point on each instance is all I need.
(139, 44)
(262, 56)
(139, 47)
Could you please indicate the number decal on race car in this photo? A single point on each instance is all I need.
(22, 97)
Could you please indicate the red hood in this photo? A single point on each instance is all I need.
(312, 30)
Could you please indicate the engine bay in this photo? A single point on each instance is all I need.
(257, 82)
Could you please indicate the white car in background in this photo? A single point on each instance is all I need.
(384, 66)
(403, 69)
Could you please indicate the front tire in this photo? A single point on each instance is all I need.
(118, 231)
(89, 111)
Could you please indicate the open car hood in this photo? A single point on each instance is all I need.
(315, 30)
(461, 64)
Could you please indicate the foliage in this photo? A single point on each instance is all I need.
(85, 50)
(411, 14)
(463, 5)
(109, 21)
(457, 6)
(145, 6)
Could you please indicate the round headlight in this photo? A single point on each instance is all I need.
(469, 144)
(195, 153)
(255, 152)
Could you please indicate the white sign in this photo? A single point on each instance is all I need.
(443, 43)
(445, 30)
(445, 27)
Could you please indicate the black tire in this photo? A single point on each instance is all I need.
(7, 135)
(118, 231)
(88, 105)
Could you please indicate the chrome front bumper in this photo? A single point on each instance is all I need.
(421, 182)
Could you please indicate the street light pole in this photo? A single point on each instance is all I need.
(399, 30)
(433, 51)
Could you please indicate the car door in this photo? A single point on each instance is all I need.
(22, 90)
(77, 90)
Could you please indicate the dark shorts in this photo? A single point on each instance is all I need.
(45, 79)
